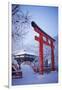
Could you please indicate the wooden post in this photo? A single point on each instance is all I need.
(41, 41)
(52, 57)
(41, 69)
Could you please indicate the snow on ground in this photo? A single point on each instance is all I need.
(30, 77)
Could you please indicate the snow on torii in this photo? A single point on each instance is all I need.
(41, 42)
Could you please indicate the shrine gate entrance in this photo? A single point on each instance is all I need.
(41, 42)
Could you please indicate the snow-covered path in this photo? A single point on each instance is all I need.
(29, 77)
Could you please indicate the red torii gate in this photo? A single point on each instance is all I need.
(41, 42)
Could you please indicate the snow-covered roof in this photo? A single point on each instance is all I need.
(25, 52)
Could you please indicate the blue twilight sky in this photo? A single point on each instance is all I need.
(45, 16)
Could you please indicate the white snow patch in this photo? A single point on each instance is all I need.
(24, 52)
(29, 77)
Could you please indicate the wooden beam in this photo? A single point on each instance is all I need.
(37, 38)
(39, 30)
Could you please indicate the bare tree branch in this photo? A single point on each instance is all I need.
(20, 23)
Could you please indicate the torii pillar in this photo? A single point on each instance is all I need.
(41, 42)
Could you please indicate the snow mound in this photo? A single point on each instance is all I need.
(29, 77)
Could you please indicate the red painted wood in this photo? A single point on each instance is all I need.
(52, 57)
(36, 30)
(41, 42)
(47, 43)
(39, 30)
(41, 69)
(37, 38)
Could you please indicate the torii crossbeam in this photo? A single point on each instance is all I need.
(41, 42)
